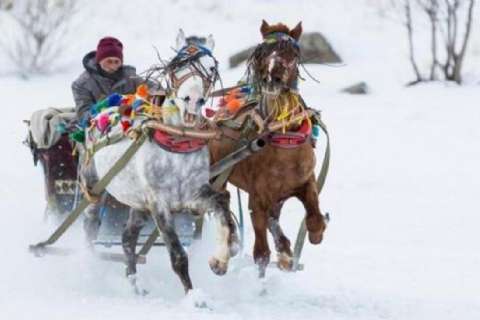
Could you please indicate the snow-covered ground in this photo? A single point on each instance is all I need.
(403, 242)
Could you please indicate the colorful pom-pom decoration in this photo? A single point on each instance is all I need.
(102, 122)
(142, 91)
(114, 100)
(234, 105)
(125, 125)
(78, 136)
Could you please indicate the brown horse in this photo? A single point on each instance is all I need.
(278, 171)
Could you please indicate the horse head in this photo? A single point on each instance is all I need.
(192, 74)
(274, 62)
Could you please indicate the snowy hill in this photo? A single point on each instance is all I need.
(403, 242)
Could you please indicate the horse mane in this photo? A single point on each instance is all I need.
(157, 71)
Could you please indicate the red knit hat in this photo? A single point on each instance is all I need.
(109, 47)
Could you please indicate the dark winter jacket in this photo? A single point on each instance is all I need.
(94, 84)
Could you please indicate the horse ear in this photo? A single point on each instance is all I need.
(264, 28)
(181, 40)
(210, 43)
(296, 32)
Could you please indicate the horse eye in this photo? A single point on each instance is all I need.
(186, 99)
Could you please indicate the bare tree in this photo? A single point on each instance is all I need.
(431, 8)
(447, 19)
(409, 25)
(456, 46)
(37, 38)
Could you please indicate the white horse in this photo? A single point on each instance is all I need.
(161, 183)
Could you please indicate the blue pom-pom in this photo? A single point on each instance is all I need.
(137, 103)
(316, 131)
(114, 100)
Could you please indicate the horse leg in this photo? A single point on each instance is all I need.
(282, 243)
(228, 243)
(135, 223)
(315, 221)
(178, 256)
(91, 222)
(261, 251)
(88, 178)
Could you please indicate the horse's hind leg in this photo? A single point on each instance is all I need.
(135, 223)
(178, 256)
(228, 243)
(282, 243)
(315, 221)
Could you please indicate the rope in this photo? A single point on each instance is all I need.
(302, 232)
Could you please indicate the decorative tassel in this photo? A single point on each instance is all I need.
(128, 99)
(114, 100)
(125, 125)
(234, 105)
(102, 122)
(142, 91)
(137, 104)
(78, 136)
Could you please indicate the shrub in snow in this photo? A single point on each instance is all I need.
(36, 33)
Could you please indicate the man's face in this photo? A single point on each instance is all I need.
(110, 64)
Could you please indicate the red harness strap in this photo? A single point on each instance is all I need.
(290, 140)
(177, 145)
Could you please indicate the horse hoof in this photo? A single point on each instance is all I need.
(137, 290)
(197, 299)
(284, 262)
(218, 267)
(315, 237)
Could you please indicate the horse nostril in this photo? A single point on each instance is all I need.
(200, 102)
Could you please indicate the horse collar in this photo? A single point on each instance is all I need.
(175, 144)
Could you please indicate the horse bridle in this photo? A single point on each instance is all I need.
(192, 54)
(289, 66)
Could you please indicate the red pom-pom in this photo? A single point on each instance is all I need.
(127, 112)
(125, 125)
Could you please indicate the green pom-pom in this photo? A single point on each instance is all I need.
(78, 136)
